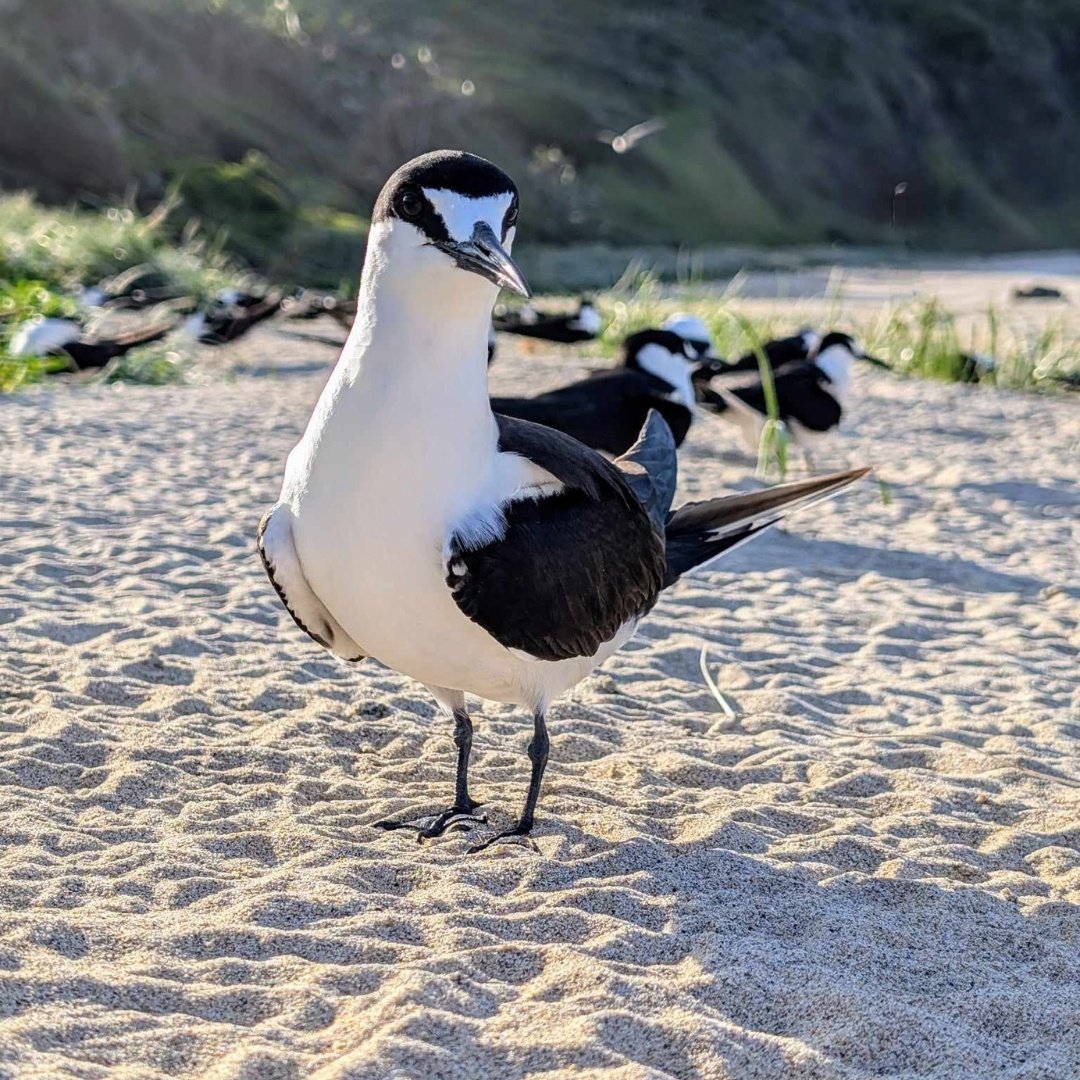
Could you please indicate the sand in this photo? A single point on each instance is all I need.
(872, 869)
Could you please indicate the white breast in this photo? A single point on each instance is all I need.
(674, 370)
(836, 362)
(377, 487)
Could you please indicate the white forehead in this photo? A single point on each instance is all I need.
(461, 212)
(687, 326)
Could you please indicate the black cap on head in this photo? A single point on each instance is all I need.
(835, 337)
(403, 195)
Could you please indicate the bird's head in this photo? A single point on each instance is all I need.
(692, 329)
(661, 353)
(446, 214)
(844, 348)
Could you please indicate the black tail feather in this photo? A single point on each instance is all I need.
(698, 532)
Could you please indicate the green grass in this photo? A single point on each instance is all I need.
(65, 248)
(917, 339)
(923, 339)
(160, 363)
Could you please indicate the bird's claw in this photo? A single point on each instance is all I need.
(517, 835)
(427, 828)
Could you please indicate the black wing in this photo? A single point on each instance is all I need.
(571, 568)
(780, 352)
(605, 411)
(557, 328)
(802, 394)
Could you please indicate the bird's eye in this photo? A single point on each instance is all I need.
(511, 218)
(411, 204)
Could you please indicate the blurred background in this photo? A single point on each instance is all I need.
(266, 127)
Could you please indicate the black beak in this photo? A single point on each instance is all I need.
(874, 360)
(483, 254)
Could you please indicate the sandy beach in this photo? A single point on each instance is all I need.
(872, 869)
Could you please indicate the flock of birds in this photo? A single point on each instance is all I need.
(501, 547)
(672, 368)
(92, 340)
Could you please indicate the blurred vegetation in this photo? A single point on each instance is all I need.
(48, 255)
(273, 122)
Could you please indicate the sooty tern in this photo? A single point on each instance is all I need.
(231, 315)
(475, 553)
(780, 352)
(584, 325)
(607, 410)
(810, 396)
(85, 348)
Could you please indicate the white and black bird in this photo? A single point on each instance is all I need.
(810, 397)
(473, 552)
(84, 348)
(608, 410)
(232, 314)
(780, 353)
(583, 325)
(137, 287)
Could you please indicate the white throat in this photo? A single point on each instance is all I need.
(588, 320)
(673, 369)
(405, 422)
(836, 361)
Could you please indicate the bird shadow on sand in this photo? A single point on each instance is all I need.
(843, 560)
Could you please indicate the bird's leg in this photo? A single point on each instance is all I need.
(461, 813)
(538, 755)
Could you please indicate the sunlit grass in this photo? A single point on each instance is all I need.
(923, 339)
(920, 338)
(66, 249)
(159, 363)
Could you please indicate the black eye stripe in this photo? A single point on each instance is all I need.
(510, 218)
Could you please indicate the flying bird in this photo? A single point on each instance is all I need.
(473, 552)
(625, 142)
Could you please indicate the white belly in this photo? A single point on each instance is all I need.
(373, 517)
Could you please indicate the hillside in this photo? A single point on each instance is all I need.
(787, 121)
